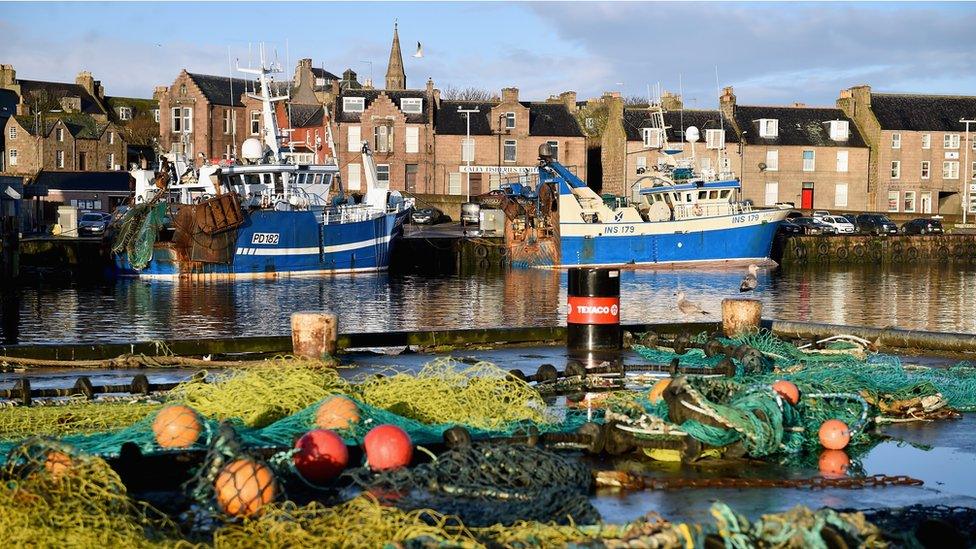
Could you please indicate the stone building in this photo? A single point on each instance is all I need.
(813, 157)
(918, 149)
(304, 116)
(504, 142)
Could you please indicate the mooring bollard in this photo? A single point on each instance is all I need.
(593, 321)
(314, 334)
(740, 316)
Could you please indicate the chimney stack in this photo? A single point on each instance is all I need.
(670, 101)
(8, 76)
(569, 99)
(510, 95)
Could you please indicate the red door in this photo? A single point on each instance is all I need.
(806, 199)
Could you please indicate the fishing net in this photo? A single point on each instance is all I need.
(70, 417)
(137, 231)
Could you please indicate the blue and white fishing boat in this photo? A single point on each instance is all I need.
(679, 218)
(264, 217)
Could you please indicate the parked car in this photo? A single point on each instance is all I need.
(923, 225)
(470, 213)
(820, 213)
(93, 223)
(852, 219)
(812, 225)
(876, 224)
(842, 225)
(427, 216)
(788, 228)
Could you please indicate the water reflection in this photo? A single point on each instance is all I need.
(922, 297)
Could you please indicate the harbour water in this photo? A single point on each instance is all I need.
(925, 297)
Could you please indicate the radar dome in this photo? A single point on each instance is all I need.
(251, 149)
(691, 134)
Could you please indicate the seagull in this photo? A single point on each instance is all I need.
(749, 282)
(420, 51)
(688, 307)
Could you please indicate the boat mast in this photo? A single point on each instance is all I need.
(270, 133)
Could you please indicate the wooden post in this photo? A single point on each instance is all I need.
(314, 334)
(740, 316)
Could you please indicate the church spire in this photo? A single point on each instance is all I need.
(396, 79)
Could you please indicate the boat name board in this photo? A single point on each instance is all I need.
(270, 239)
(745, 218)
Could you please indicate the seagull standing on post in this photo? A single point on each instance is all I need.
(688, 307)
(749, 282)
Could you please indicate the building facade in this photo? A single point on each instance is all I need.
(919, 149)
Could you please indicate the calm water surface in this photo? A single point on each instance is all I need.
(924, 297)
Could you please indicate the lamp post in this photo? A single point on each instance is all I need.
(967, 170)
(467, 140)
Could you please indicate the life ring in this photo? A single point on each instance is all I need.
(911, 254)
(858, 251)
(843, 252)
(481, 251)
(697, 210)
(823, 248)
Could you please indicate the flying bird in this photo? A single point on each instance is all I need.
(420, 51)
(688, 307)
(749, 282)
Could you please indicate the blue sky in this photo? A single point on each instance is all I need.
(772, 53)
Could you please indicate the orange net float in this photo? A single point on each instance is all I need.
(589, 400)
(337, 412)
(834, 463)
(387, 447)
(177, 426)
(834, 434)
(321, 456)
(657, 391)
(788, 391)
(244, 486)
(57, 463)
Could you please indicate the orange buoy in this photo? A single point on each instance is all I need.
(387, 447)
(176, 426)
(337, 412)
(321, 456)
(834, 463)
(57, 463)
(657, 391)
(834, 434)
(243, 486)
(788, 391)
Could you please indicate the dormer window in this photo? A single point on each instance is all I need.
(840, 130)
(353, 104)
(125, 113)
(411, 105)
(768, 127)
(509, 120)
(652, 138)
(319, 82)
(714, 139)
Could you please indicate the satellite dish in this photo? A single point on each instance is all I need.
(691, 134)
(420, 51)
(251, 149)
(12, 193)
(762, 166)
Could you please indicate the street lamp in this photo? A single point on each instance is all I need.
(967, 170)
(467, 140)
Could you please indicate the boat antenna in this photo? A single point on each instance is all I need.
(721, 123)
(681, 113)
(232, 113)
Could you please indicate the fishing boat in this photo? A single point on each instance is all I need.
(263, 217)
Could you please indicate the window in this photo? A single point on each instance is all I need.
(589, 124)
(494, 181)
(772, 161)
(809, 162)
(59, 158)
(714, 139)
(183, 89)
(926, 169)
(227, 153)
(182, 120)
(895, 169)
(892, 201)
(413, 139)
(950, 170)
(111, 138)
(467, 149)
(59, 134)
(383, 176)
(83, 204)
(509, 120)
(411, 105)
(353, 183)
(841, 161)
(125, 113)
(229, 119)
(13, 132)
(354, 139)
(926, 141)
(926, 201)
(840, 195)
(840, 130)
(510, 150)
(772, 193)
(652, 138)
(910, 201)
(554, 149)
(768, 127)
(454, 183)
(255, 122)
(354, 104)
(641, 164)
(896, 141)
(973, 172)
(12, 155)
(950, 141)
(383, 138)
(156, 115)
(110, 161)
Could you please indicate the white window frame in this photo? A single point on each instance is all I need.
(921, 201)
(652, 138)
(909, 195)
(467, 149)
(412, 136)
(59, 158)
(641, 165)
(125, 113)
(840, 190)
(588, 122)
(59, 135)
(12, 132)
(812, 166)
(110, 164)
(353, 104)
(383, 138)
(514, 148)
(950, 141)
(354, 179)
(950, 169)
(383, 176)
(925, 169)
(554, 149)
(894, 197)
(510, 121)
(12, 156)
(354, 139)
(156, 115)
(255, 123)
(111, 138)
(896, 141)
(412, 105)
(840, 130)
(896, 169)
(772, 160)
(454, 183)
(843, 158)
(714, 138)
(182, 118)
(771, 193)
(768, 127)
(229, 121)
(926, 141)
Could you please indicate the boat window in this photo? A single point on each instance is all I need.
(689, 197)
(702, 195)
(725, 194)
(712, 195)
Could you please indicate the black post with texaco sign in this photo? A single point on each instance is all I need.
(593, 319)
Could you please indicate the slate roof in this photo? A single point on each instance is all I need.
(395, 96)
(322, 73)
(117, 181)
(545, 119)
(913, 112)
(8, 103)
(303, 116)
(139, 106)
(636, 119)
(217, 89)
(89, 105)
(797, 126)
(81, 126)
